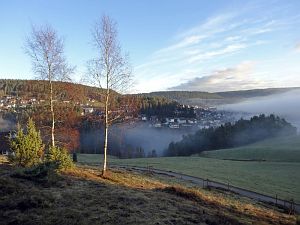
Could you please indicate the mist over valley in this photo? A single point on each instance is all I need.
(286, 105)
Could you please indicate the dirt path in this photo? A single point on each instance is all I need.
(205, 183)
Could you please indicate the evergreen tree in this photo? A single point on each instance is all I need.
(60, 156)
(27, 148)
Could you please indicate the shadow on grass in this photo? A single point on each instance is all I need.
(85, 197)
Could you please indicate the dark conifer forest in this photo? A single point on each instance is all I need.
(230, 135)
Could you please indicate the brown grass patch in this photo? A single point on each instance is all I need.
(121, 197)
(117, 177)
(230, 205)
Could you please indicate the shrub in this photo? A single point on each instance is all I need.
(59, 156)
(42, 173)
(27, 148)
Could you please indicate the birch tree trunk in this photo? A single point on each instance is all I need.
(110, 70)
(52, 114)
(106, 125)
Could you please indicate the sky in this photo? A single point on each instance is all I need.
(173, 44)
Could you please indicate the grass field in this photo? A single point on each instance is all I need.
(284, 149)
(281, 178)
(83, 196)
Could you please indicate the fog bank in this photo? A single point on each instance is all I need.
(6, 125)
(286, 105)
(136, 135)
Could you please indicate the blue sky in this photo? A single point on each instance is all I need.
(173, 45)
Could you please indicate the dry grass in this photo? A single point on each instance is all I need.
(117, 177)
(231, 206)
(82, 196)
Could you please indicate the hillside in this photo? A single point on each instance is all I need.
(67, 91)
(217, 98)
(81, 196)
(271, 178)
(179, 95)
(281, 149)
(255, 92)
(39, 89)
(79, 92)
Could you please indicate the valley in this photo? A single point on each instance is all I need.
(275, 175)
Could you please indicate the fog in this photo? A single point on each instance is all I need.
(286, 105)
(153, 138)
(6, 125)
(135, 135)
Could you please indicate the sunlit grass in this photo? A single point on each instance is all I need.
(83, 196)
(271, 178)
(283, 149)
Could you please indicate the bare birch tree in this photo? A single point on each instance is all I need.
(46, 50)
(109, 70)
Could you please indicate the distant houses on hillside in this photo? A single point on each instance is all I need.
(205, 118)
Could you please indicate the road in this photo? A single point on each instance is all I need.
(204, 183)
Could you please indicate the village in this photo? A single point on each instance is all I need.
(197, 117)
(203, 117)
(13, 103)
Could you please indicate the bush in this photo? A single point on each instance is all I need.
(42, 173)
(59, 156)
(27, 148)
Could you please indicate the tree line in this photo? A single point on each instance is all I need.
(39, 89)
(231, 135)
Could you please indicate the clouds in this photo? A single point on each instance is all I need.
(198, 55)
(297, 47)
(225, 79)
(223, 51)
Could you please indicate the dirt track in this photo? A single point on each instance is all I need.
(204, 183)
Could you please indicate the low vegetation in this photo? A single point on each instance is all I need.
(271, 178)
(83, 196)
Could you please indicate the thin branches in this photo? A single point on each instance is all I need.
(46, 51)
(109, 70)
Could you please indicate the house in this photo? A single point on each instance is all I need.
(88, 110)
(157, 125)
(181, 120)
(174, 126)
(192, 121)
(32, 100)
(153, 118)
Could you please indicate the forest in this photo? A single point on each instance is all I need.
(230, 135)
(184, 95)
